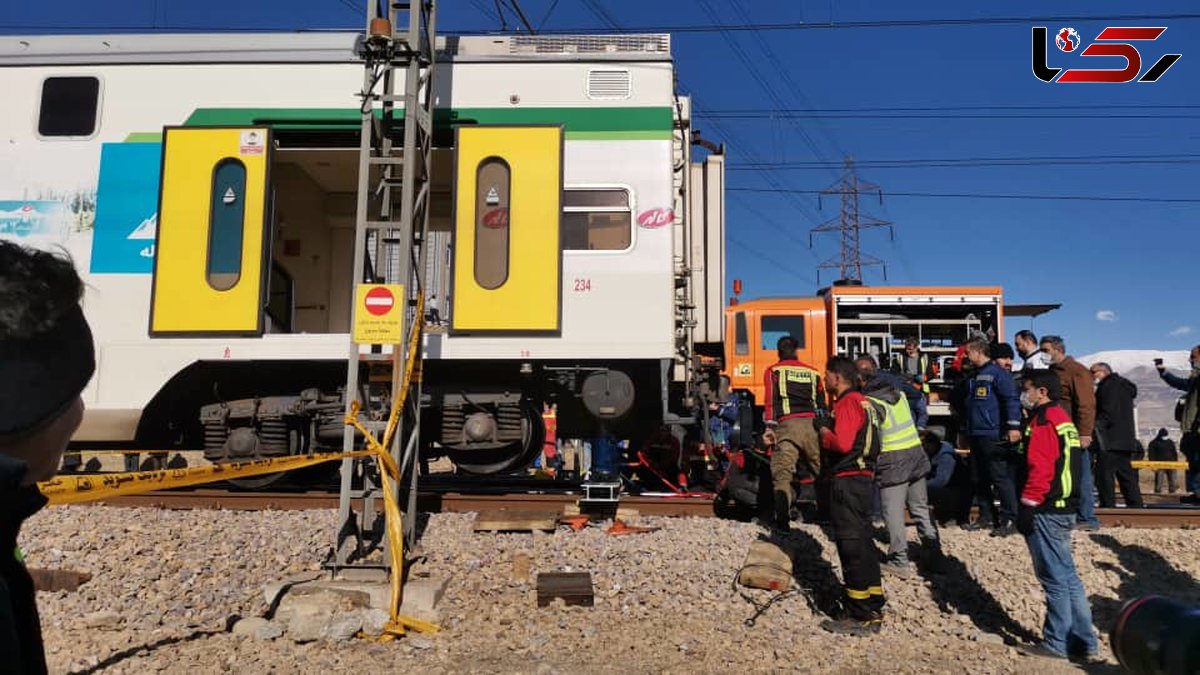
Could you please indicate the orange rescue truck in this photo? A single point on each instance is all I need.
(852, 319)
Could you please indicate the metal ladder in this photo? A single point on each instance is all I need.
(391, 228)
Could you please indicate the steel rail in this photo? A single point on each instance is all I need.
(451, 502)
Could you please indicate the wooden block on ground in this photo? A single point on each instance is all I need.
(518, 521)
(767, 566)
(58, 580)
(575, 588)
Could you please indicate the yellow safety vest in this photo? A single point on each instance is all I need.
(897, 431)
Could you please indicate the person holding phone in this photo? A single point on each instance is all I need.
(1189, 421)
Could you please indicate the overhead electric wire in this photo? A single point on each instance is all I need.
(764, 257)
(771, 114)
(689, 28)
(891, 23)
(358, 11)
(784, 73)
(949, 162)
(757, 75)
(500, 13)
(516, 7)
(976, 195)
(763, 218)
(598, 10)
(485, 10)
(754, 72)
(546, 16)
(936, 108)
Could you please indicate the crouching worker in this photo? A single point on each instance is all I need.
(948, 483)
(900, 472)
(1046, 515)
(46, 359)
(851, 448)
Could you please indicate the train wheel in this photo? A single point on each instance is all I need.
(510, 457)
(247, 446)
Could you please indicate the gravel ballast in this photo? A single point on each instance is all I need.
(167, 585)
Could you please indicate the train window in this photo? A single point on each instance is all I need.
(597, 220)
(741, 339)
(492, 191)
(226, 224)
(775, 327)
(69, 106)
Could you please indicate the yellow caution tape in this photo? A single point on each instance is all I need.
(1158, 466)
(79, 489)
(397, 623)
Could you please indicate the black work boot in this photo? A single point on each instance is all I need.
(854, 627)
(783, 511)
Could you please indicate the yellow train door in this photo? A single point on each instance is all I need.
(507, 275)
(212, 251)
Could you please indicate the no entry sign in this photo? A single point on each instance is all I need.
(379, 301)
(378, 315)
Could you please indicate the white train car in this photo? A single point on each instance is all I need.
(634, 297)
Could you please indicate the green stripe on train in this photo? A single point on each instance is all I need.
(578, 123)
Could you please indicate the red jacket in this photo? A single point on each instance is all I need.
(1052, 461)
(854, 439)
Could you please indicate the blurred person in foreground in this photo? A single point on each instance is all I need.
(46, 360)
(1189, 418)
(1050, 490)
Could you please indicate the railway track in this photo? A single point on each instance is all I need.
(1164, 516)
(434, 502)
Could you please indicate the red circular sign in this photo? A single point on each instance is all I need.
(379, 301)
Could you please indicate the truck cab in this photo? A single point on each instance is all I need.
(754, 327)
(853, 320)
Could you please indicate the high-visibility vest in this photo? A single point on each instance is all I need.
(897, 431)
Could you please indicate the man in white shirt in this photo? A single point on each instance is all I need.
(1027, 347)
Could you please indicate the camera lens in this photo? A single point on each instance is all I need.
(1155, 635)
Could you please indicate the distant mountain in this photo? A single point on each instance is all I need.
(1155, 400)
(1131, 359)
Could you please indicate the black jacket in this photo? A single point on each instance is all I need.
(21, 649)
(1162, 449)
(1114, 414)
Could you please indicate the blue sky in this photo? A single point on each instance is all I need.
(1135, 260)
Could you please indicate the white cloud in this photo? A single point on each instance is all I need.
(1182, 330)
(1106, 315)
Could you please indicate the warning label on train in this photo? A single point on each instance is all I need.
(379, 317)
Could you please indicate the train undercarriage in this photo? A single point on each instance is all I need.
(485, 417)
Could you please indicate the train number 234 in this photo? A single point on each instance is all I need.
(583, 285)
